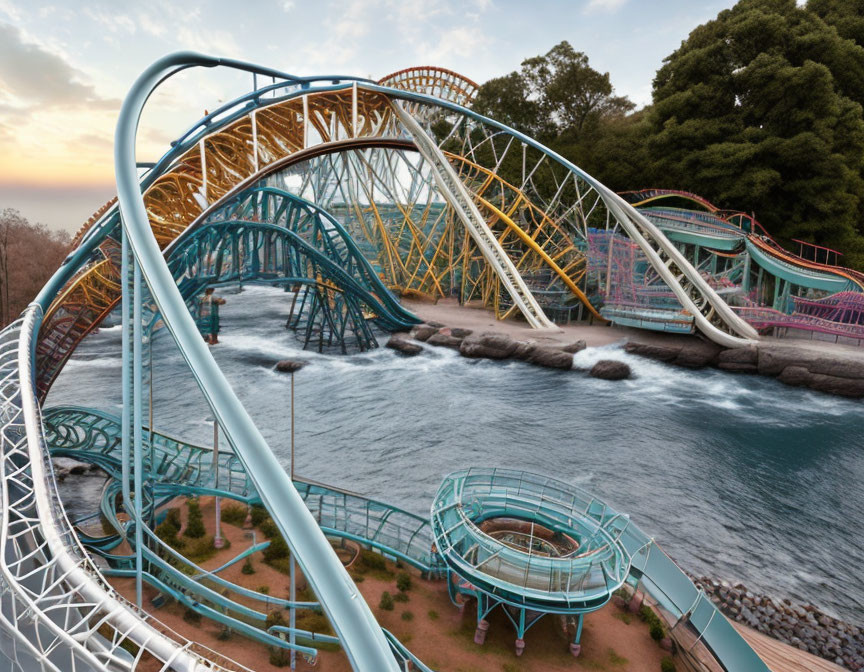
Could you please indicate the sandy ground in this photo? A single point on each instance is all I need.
(451, 314)
(436, 631)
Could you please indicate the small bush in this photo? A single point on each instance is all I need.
(403, 581)
(279, 657)
(264, 590)
(656, 631)
(192, 616)
(234, 515)
(167, 532)
(268, 528)
(386, 601)
(372, 560)
(248, 567)
(195, 521)
(358, 578)
(277, 549)
(400, 597)
(173, 517)
(667, 664)
(259, 513)
(433, 615)
(407, 616)
(274, 618)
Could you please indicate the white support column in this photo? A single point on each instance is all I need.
(203, 170)
(255, 139)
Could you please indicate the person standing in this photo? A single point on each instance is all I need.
(208, 316)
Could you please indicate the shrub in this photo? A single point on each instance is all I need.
(195, 521)
(167, 532)
(259, 513)
(173, 517)
(279, 657)
(234, 515)
(358, 578)
(372, 560)
(400, 597)
(277, 549)
(656, 631)
(407, 616)
(433, 615)
(274, 618)
(268, 528)
(667, 664)
(264, 590)
(191, 616)
(248, 567)
(386, 601)
(403, 581)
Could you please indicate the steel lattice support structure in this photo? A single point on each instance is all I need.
(398, 185)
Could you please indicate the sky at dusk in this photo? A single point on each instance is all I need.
(65, 66)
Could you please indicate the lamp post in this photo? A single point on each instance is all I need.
(291, 366)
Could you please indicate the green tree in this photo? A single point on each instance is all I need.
(194, 521)
(749, 113)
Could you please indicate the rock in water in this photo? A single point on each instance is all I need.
(459, 332)
(289, 365)
(609, 369)
(550, 357)
(489, 344)
(446, 339)
(422, 332)
(399, 343)
(576, 346)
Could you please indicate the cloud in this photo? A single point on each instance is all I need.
(604, 5)
(32, 75)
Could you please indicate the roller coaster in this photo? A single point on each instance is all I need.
(348, 193)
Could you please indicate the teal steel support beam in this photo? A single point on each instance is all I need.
(362, 638)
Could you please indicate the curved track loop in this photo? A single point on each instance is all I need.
(434, 81)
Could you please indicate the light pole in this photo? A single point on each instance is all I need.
(291, 366)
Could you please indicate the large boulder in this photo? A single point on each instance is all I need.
(610, 369)
(445, 338)
(796, 376)
(490, 344)
(575, 346)
(401, 344)
(523, 350)
(663, 353)
(741, 360)
(550, 357)
(422, 332)
(695, 354)
(773, 359)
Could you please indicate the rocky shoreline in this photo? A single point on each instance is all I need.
(805, 627)
(799, 365)
(497, 345)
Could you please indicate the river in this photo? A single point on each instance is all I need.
(737, 477)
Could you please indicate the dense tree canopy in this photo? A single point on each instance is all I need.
(29, 255)
(758, 110)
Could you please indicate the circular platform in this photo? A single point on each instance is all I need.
(530, 541)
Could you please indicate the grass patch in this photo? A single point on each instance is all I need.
(624, 617)
(615, 658)
(432, 615)
(401, 597)
(407, 616)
